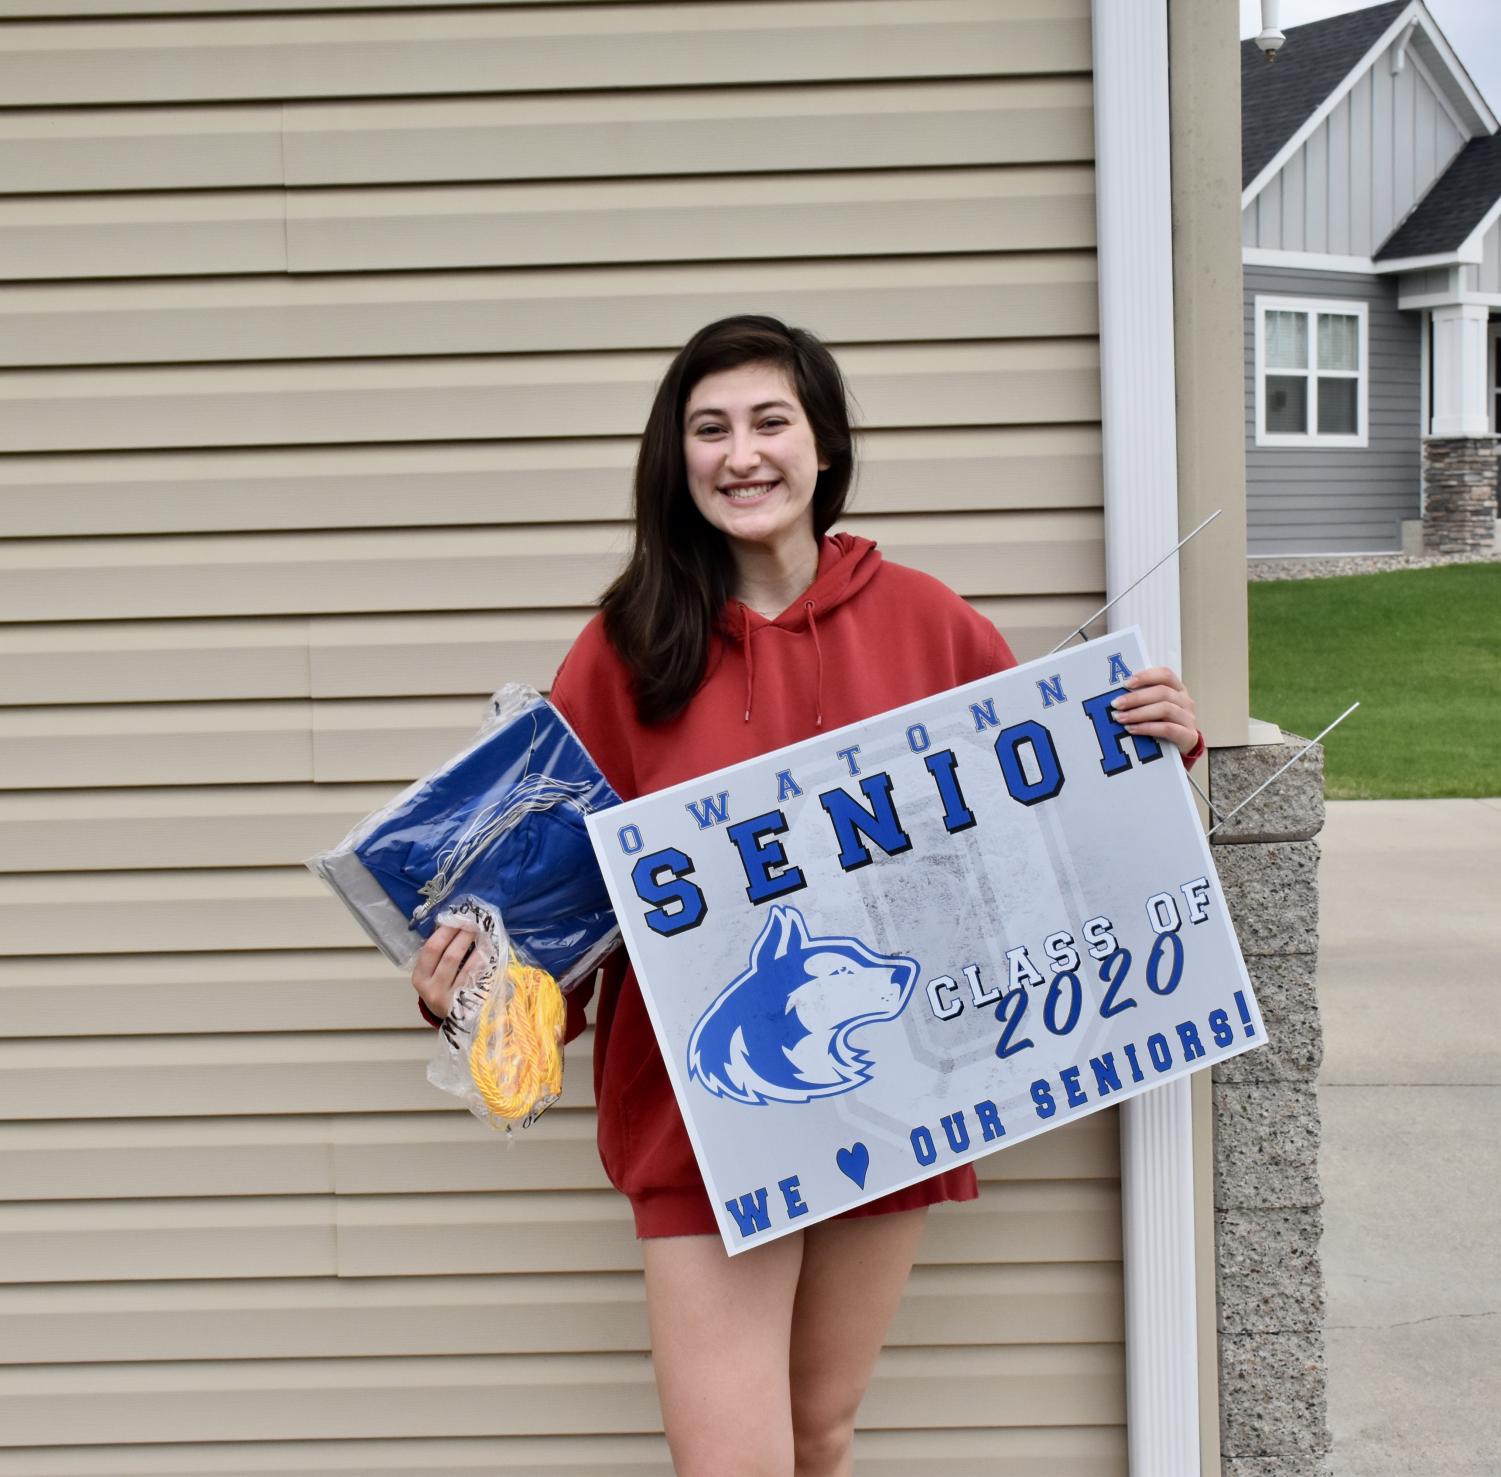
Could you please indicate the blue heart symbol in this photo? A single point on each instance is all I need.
(854, 1163)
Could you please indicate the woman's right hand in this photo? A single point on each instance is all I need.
(447, 961)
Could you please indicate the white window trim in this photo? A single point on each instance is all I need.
(1345, 308)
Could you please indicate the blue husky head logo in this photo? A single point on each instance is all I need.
(780, 1033)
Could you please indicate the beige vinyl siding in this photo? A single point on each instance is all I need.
(327, 340)
(431, 51)
(994, 1452)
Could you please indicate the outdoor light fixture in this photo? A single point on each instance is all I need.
(1270, 40)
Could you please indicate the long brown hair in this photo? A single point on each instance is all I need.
(661, 610)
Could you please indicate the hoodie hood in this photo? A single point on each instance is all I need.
(846, 564)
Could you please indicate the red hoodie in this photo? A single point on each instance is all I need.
(864, 637)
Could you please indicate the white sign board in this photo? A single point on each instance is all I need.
(895, 947)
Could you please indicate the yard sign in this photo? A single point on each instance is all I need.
(895, 947)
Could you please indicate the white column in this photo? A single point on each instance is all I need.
(1459, 344)
(1134, 208)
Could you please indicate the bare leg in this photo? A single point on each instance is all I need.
(720, 1328)
(853, 1275)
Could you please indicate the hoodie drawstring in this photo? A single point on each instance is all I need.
(818, 652)
(750, 665)
(750, 661)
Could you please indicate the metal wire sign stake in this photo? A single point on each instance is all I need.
(1219, 818)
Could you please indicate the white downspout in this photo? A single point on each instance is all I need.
(1138, 412)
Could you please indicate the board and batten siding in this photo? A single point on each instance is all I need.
(1361, 170)
(1486, 275)
(1345, 499)
(328, 336)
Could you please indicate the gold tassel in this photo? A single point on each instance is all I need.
(525, 1069)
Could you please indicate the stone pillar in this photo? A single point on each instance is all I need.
(1459, 494)
(1267, 1199)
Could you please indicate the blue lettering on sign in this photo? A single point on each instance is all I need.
(991, 1127)
(758, 856)
(848, 755)
(919, 740)
(750, 1212)
(1111, 735)
(630, 840)
(1106, 1078)
(1051, 689)
(787, 787)
(956, 1131)
(712, 810)
(661, 879)
(851, 820)
(957, 816)
(984, 715)
(1039, 741)
(792, 1194)
(1219, 1028)
(1119, 671)
(1245, 1012)
(1188, 1039)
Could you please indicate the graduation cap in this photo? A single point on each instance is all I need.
(502, 822)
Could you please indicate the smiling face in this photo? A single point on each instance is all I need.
(751, 459)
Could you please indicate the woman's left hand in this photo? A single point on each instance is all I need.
(1157, 705)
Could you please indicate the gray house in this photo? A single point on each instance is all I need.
(1371, 244)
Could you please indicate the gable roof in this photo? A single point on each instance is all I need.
(1277, 98)
(1461, 198)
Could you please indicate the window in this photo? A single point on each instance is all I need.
(1310, 373)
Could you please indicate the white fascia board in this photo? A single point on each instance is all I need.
(1420, 300)
(1133, 164)
(1305, 261)
(1301, 137)
(1479, 117)
(1475, 241)
(1468, 254)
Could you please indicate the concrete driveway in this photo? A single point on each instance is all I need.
(1410, 1095)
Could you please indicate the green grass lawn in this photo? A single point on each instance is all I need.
(1419, 648)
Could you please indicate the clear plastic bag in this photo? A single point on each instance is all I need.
(493, 840)
(501, 1048)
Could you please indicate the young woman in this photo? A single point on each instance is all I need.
(739, 626)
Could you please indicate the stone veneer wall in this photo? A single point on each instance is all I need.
(1267, 1200)
(1459, 494)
